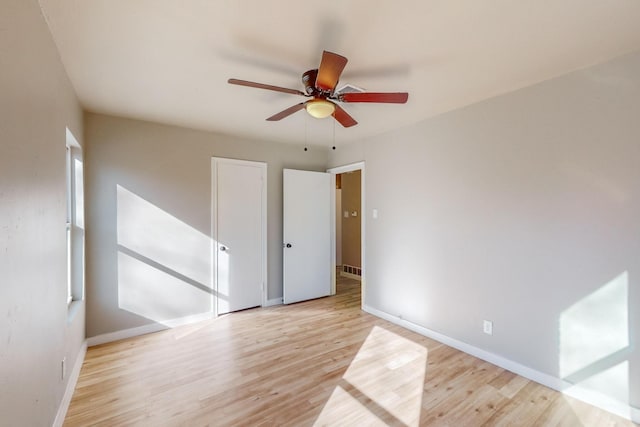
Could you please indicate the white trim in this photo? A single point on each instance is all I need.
(332, 232)
(214, 225)
(71, 387)
(265, 226)
(71, 140)
(75, 219)
(635, 415)
(125, 333)
(188, 320)
(347, 168)
(600, 400)
(363, 234)
(272, 302)
(147, 329)
(591, 397)
(363, 219)
(214, 233)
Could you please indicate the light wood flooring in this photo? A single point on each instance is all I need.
(321, 362)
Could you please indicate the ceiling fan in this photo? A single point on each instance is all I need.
(320, 85)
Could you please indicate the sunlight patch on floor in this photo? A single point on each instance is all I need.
(384, 383)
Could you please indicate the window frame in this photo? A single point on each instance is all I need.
(74, 220)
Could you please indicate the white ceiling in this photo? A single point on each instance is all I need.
(169, 60)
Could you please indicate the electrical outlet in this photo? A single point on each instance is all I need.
(488, 327)
(64, 367)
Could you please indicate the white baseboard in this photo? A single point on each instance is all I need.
(602, 401)
(71, 386)
(591, 397)
(272, 302)
(350, 275)
(147, 329)
(187, 320)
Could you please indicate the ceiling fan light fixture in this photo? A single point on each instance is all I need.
(320, 108)
(320, 86)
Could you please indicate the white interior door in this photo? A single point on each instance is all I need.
(239, 233)
(307, 240)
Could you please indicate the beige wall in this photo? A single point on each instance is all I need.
(149, 217)
(351, 226)
(37, 103)
(524, 210)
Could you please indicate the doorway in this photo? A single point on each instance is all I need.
(348, 224)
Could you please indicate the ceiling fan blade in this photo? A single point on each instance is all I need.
(381, 97)
(343, 117)
(330, 69)
(264, 86)
(289, 111)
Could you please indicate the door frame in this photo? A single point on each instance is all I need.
(214, 226)
(363, 217)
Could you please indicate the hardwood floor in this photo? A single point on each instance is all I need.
(321, 362)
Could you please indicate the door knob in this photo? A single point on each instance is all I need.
(288, 245)
(223, 248)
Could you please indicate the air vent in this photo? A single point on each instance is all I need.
(349, 269)
(347, 88)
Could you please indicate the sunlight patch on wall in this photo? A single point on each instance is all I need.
(154, 294)
(385, 380)
(595, 327)
(594, 341)
(164, 265)
(157, 235)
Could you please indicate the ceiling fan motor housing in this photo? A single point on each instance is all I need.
(309, 81)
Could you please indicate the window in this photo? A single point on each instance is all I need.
(75, 220)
